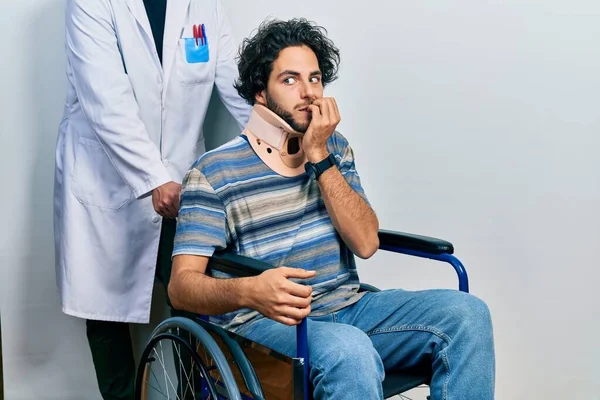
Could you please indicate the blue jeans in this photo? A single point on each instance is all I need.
(349, 350)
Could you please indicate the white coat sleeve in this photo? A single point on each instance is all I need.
(227, 71)
(106, 95)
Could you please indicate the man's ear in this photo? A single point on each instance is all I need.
(261, 98)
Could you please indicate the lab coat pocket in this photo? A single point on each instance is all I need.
(95, 181)
(194, 62)
(196, 51)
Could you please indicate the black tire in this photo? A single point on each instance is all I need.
(165, 331)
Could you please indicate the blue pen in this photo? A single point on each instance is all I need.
(204, 38)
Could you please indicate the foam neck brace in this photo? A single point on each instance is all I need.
(275, 142)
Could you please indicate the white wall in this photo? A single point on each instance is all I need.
(473, 121)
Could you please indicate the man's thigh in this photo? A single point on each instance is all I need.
(408, 327)
(324, 338)
(343, 362)
(274, 335)
(375, 314)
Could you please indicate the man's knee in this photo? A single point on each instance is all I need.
(470, 316)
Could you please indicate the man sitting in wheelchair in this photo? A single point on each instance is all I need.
(286, 191)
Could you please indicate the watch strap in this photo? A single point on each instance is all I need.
(316, 169)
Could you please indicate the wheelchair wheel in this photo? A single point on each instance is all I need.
(182, 361)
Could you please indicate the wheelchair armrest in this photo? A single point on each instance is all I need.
(237, 265)
(411, 241)
(425, 247)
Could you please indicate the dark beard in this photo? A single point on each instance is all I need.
(285, 115)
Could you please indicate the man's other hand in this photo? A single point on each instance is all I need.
(325, 118)
(278, 298)
(165, 199)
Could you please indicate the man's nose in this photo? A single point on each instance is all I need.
(308, 92)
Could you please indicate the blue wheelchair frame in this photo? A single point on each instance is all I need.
(397, 242)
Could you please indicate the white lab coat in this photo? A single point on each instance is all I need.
(129, 127)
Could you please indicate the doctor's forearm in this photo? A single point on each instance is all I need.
(352, 217)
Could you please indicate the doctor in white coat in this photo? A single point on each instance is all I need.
(132, 127)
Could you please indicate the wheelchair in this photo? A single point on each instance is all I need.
(188, 357)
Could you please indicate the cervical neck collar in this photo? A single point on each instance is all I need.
(275, 142)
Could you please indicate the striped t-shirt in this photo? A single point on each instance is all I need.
(231, 199)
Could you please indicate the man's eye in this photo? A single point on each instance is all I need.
(315, 79)
(289, 81)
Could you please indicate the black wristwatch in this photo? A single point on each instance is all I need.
(314, 170)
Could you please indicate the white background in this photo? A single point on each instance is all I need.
(474, 121)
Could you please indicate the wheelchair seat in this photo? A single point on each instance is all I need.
(400, 382)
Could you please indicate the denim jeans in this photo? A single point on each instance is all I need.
(351, 349)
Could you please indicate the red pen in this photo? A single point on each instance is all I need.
(196, 34)
(200, 33)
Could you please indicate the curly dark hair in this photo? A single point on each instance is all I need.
(257, 54)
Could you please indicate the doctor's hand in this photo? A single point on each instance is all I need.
(325, 118)
(165, 199)
(278, 298)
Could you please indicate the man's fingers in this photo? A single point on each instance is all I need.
(298, 301)
(292, 312)
(336, 110)
(333, 115)
(326, 111)
(297, 272)
(296, 289)
(315, 112)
